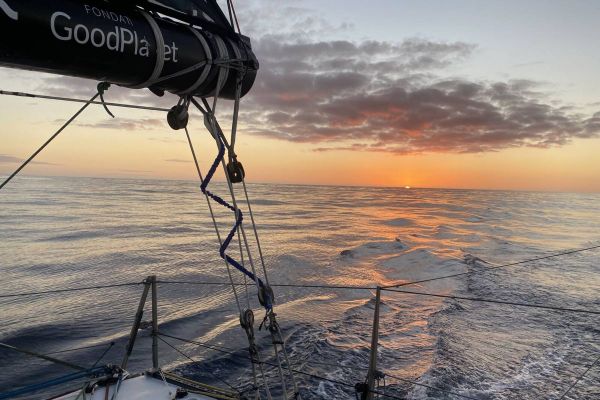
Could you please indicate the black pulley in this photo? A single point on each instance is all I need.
(235, 171)
(266, 297)
(178, 117)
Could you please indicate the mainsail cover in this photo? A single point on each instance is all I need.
(178, 46)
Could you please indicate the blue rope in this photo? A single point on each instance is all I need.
(238, 221)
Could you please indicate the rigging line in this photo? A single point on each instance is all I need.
(78, 348)
(235, 17)
(262, 259)
(354, 368)
(563, 253)
(218, 348)
(239, 226)
(103, 354)
(42, 147)
(73, 100)
(198, 362)
(579, 378)
(230, 14)
(4, 296)
(275, 365)
(243, 264)
(210, 116)
(290, 285)
(212, 215)
(228, 351)
(511, 303)
(43, 357)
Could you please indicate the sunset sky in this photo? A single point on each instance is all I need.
(455, 94)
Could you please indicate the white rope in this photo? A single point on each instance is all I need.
(207, 67)
(260, 253)
(160, 52)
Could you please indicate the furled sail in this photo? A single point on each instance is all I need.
(179, 46)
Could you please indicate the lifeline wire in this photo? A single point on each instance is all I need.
(76, 289)
(275, 365)
(567, 252)
(391, 376)
(576, 310)
(511, 303)
(196, 362)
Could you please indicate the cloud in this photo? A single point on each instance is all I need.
(392, 97)
(8, 159)
(177, 160)
(316, 87)
(128, 124)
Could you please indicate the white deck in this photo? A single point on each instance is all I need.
(138, 388)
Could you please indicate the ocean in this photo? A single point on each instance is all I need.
(74, 232)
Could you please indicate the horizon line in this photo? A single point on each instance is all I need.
(404, 187)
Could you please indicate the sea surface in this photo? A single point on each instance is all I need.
(76, 232)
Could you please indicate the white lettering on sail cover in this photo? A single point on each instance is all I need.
(118, 38)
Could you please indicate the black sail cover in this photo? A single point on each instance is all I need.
(120, 42)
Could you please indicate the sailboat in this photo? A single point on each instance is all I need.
(185, 47)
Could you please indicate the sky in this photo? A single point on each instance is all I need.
(453, 94)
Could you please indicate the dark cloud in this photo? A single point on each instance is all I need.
(380, 96)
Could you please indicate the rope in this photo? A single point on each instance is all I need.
(512, 303)
(74, 100)
(79, 348)
(43, 357)
(228, 351)
(266, 299)
(580, 377)
(238, 213)
(110, 346)
(195, 362)
(275, 365)
(555, 308)
(288, 285)
(42, 147)
(262, 259)
(77, 289)
(354, 368)
(567, 252)
(233, 285)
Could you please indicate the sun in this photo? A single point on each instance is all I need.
(406, 187)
